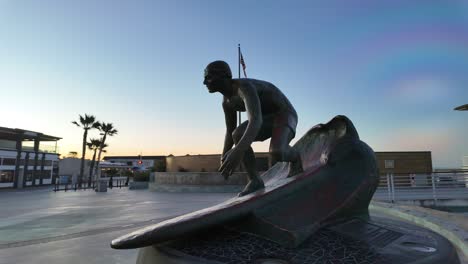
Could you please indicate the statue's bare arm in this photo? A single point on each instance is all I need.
(252, 105)
(230, 118)
(249, 95)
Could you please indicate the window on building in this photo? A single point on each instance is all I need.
(7, 144)
(389, 164)
(46, 175)
(27, 145)
(32, 162)
(29, 176)
(9, 162)
(47, 163)
(6, 176)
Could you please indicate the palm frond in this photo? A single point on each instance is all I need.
(112, 132)
(108, 128)
(103, 146)
(90, 145)
(97, 125)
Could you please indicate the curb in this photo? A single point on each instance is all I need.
(434, 220)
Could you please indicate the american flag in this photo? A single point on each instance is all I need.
(242, 62)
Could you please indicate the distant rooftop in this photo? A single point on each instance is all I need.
(15, 133)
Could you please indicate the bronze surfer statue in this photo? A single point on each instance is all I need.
(269, 114)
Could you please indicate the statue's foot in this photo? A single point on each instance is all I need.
(295, 168)
(252, 186)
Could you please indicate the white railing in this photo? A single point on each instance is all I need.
(435, 186)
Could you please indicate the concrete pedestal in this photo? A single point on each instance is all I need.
(378, 240)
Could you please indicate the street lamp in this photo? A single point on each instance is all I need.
(461, 107)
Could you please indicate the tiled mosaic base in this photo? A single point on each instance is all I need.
(351, 242)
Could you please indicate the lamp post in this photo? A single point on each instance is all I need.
(462, 108)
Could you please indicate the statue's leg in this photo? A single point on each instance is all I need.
(248, 160)
(279, 145)
(283, 132)
(255, 182)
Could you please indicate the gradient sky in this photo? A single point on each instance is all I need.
(395, 68)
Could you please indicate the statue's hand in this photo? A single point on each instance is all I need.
(229, 162)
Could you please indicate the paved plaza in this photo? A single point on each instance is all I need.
(41, 226)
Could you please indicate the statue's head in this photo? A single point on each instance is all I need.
(217, 75)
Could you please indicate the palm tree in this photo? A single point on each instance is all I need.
(107, 129)
(93, 145)
(87, 122)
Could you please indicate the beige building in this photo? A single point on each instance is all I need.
(409, 168)
(396, 163)
(208, 163)
(70, 167)
(404, 162)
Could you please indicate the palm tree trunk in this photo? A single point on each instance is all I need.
(91, 167)
(99, 155)
(80, 179)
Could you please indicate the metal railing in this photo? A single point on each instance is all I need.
(69, 186)
(117, 182)
(435, 186)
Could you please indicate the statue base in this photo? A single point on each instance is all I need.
(355, 240)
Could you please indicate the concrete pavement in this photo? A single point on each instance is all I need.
(41, 226)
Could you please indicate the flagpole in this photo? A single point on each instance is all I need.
(238, 70)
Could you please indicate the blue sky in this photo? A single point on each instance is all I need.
(396, 68)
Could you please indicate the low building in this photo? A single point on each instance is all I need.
(139, 162)
(409, 168)
(401, 163)
(27, 158)
(209, 163)
(70, 167)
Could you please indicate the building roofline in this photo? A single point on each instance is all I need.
(134, 157)
(27, 134)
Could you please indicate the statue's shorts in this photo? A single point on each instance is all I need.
(285, 119)
(274, 126)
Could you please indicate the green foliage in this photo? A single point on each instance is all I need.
(160, 166)
(112, 172)
(141, 176)
(128, 173)
(182, 169)
(72, 154)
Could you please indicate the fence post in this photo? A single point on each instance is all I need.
(392, 183)
(389, 188)
(434, 196)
